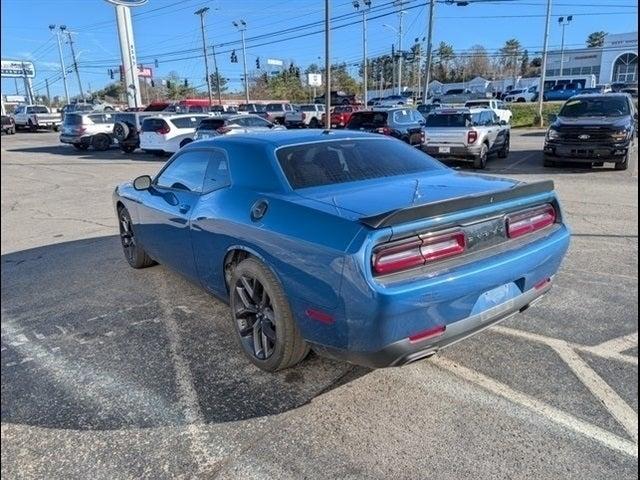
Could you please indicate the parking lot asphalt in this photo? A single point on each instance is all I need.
(108, 372)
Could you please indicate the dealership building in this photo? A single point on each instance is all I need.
(615, 61)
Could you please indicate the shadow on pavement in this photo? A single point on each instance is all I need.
(114, 153)
(89, 343)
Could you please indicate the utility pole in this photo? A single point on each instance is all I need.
(61, 28)
(327, 62)
(242, 26)
(365, 8)
(202, 13)
(75, 64)
(544, 63)
(215, 66)
(46, 82)
(401, 12)
(427, 76)
(562, 23)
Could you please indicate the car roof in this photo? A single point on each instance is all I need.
(281, 138)
(603, 95)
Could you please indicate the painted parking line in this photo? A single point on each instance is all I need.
(553, 414)
(519, 162)
(615, 405)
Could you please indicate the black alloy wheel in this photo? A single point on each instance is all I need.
(134, 253)
(255, 317)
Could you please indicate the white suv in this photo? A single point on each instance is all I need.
(83, 130)
(522, 95)
(168, 133)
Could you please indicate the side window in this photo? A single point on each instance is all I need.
(185, 172)
(240, 121)
(217, 174)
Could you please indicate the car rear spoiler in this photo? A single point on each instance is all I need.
(416, 212)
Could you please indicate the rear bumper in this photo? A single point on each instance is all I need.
(586, 152)
(75, 138)
(455, 152)
(405, 351)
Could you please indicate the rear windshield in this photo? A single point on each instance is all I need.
(153, 124)
(73, 119)
(480, 103)
(368, 120)
(604, 106)
(187, 122)
(129, 118)
(274, 107)
(37, 110)
(345, 109)
(449, 120)
(211, 123)
(341, 161)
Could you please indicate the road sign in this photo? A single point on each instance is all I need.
(17, 68)
(314, 79)
(275, 62)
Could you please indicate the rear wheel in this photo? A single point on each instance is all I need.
(504, 151)
(101, 142)
(313, 123)
(128, 148)
(133, 252)
(481, 160)
(81, 146)
(262, 318)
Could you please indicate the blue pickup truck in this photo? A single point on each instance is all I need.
(562, 91)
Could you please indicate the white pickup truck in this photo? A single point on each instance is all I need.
(498, 107)
(308, 115)
(35, 117)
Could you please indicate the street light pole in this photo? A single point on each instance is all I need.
(544, 63)
(327, 62)
(427, 76)
(562, 23)
(400, 54)
(75, 64)
(215, 66)
(62, 67)
(367, 5)
(202, 13)
(242, 27)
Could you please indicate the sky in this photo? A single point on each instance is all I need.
(169, 31)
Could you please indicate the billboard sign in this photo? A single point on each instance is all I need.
(17, 68)
(143, 72)
(314, 79)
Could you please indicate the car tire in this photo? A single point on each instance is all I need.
(186, 141)
(121, 131)
(81, 146)
(480, 162)
(504, 151)
(314, 123)
(12, 130)
(624, 164)
(31, 126)
(133, 252)
(101, 142)
(128, 148)
(265, 328)
(56, 128)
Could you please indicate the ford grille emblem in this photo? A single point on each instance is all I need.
(584, 137)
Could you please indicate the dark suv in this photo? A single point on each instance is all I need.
(593, 129)
(407, 124)
(126, 129)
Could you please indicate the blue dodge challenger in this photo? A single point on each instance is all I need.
(356, 245)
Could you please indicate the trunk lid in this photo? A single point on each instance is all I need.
(447, 136)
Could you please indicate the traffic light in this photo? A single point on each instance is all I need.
(153, 84)
(186, 82)
(111, 74)
(169, 84)
(155, 63)
(234, 57)
(258, 63)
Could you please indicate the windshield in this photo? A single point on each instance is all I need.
(307, 108)
(341, 161)
(595, 107)
(449, 120)
(455, 91)
(478, 104)
(367, 120)
(211, 123)
(275, 107)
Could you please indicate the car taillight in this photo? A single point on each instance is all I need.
(163, 130)
(417, 251)
(304, 116)
(80, 130)
(472, 136)
(384, 130)
(529, 221)
(223, 130)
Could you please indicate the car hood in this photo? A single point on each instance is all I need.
(372, 197)
(614, 122)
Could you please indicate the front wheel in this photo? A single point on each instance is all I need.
(264, 324)
(81, 146)
(624, 164)
(133, 252)
(128, 148)
(504, 151)
(101, 142)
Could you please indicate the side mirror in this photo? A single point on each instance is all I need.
(143, 182)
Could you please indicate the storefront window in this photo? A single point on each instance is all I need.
(625, 69)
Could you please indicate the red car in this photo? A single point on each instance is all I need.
(341, 115)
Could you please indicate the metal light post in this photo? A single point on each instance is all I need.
(427, 77)
(398, 3)
(365, 8)
(215, 66)
(544, 64)
(75, 64)
(202, 13)
(62, 67)
(563, 23)
(327, 62)
(393, 55)
(242, 27)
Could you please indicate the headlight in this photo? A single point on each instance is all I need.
(552, 134)
(619, 136)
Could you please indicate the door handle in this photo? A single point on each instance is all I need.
(184, 208)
